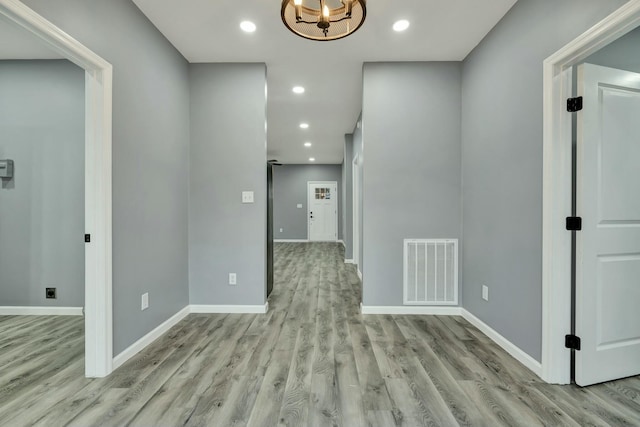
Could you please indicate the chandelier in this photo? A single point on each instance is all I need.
(323, 20)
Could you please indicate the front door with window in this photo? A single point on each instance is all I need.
(323, 211)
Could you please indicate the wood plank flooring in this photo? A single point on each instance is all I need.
(313, 360)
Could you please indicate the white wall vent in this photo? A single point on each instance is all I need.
(431, 271)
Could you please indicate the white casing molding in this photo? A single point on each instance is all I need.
(231, 309)
(40, 311)
(507, 345)
(557, 177)
(349, 261)
(98, 119)
(359, 273)
(291, 240)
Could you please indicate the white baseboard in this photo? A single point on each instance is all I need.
(143, 342)
(259, 309)
(41, 311)
(508, 346)
(411, 309)
(349, 261)
(291, 240)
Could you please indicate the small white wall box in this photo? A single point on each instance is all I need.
(6, 169)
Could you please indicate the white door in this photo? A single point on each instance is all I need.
(323, 211)
(608, 247)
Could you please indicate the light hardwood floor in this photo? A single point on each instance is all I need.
(313, 360)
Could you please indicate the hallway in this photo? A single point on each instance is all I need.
(313, 360)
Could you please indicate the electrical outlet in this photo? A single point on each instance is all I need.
(281, 230)
(485, 292)
(51, 293)
(232, 279)
(247, 197)
(145, 301)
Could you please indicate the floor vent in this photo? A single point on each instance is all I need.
(431, 272)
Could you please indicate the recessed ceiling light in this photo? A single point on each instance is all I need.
(401, 25)
(307, 144)
(298, 89)
(304, 125)
(312, 159)
(247, 26)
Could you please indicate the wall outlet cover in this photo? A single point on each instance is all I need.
(299, 206)
(51, 293)
(247, 197)
(233, 279)
(281, 230)
(485, 292)
(145, 301)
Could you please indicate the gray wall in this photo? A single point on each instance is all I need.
(290, 189)
(228, 156)
(347, 192)
(411, 187)
(42, 207)
(150, 157)
(623, 53)
(502, 162)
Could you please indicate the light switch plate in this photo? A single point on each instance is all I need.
(485, 292)
(247, 197)
(145, 301)
(299, 206)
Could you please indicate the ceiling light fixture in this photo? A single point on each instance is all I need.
(401, 25)
(304, 125)
(247, 26)
(307, 144)
(323, 20)
(298, 89)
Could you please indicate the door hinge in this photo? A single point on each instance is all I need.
(572, 342)
(574, 223)
(87, 238)
(574, 104)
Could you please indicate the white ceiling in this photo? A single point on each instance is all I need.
(331, 72)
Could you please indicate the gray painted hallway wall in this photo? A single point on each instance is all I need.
(411, 177)
(290, 189)
(42, 207)
(228, 156)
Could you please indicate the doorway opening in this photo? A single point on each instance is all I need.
(97, 180)
(557, 186)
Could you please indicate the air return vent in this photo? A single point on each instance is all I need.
(431, 271)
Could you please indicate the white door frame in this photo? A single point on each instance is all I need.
(356, 212)
(557, 176)
(309, 184)
(98, 116)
